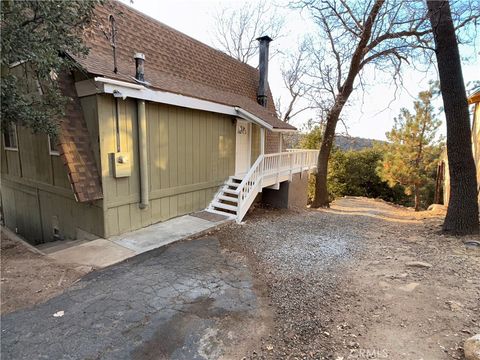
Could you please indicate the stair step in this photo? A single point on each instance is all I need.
(229, 191)
(232, 184)
(220, 205)
(228, 198)
(220, 212)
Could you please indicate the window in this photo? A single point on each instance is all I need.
(52, 145)
(10, 137)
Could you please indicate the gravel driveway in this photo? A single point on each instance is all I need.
(300, 257)
(340, 287)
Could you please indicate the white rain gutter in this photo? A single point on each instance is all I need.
(249, 116)
(119, 83)
(137, 91)
(275, 130)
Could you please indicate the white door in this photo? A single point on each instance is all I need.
(242, 157)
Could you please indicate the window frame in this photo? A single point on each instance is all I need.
(50, 151)
(12, 127)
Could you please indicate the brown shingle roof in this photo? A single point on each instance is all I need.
(75, 146)
(174, 62)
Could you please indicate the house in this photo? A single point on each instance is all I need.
(160, 125)
(474, 100)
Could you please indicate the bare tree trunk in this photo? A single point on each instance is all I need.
(344, 91)
(321, 198)
(462, 213)
(417, 198)
(438, 183)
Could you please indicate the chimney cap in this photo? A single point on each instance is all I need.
(139, 56)
(264, 38)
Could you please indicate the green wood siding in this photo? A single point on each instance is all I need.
(36, 192)
(68, 215)
(33, 161)
(34, 156)
(3, 159)
(34, 211)
(60, 177)
(20, 206)
(13, 162)
(190, 153)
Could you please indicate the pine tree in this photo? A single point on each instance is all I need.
(410, 157)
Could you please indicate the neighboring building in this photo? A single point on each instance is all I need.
(180, 128)
(474, 100)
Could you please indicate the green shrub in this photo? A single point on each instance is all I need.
(353, 173)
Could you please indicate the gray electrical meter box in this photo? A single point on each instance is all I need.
(122, 167)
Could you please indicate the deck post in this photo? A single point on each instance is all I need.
(262, 141)
(303, 164)
(279, 161)
(291, 166)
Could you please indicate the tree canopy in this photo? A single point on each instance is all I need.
(353, 173)
(38, 40)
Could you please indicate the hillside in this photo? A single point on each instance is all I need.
(354, 143)
(341, 141)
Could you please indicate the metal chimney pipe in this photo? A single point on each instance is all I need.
(263, 68)
(140, 67)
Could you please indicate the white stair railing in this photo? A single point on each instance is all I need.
(272, 166)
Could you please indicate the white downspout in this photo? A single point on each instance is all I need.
(142, 149)
(142, 134)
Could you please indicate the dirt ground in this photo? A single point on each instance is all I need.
(28, 278)
(361, 280)
(341, 284)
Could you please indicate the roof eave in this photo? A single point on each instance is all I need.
(249, 116)
(126, 89)
(474, 98)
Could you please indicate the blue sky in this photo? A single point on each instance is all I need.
(368, 115)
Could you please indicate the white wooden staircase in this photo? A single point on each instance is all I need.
(238, 193)
(225, 201)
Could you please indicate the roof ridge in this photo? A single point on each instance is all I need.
(150, 18)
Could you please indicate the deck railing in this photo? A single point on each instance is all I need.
(271, 169)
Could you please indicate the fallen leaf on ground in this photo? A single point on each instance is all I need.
(59, 313)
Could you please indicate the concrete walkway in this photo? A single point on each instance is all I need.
(100, 253)
(188, 300)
